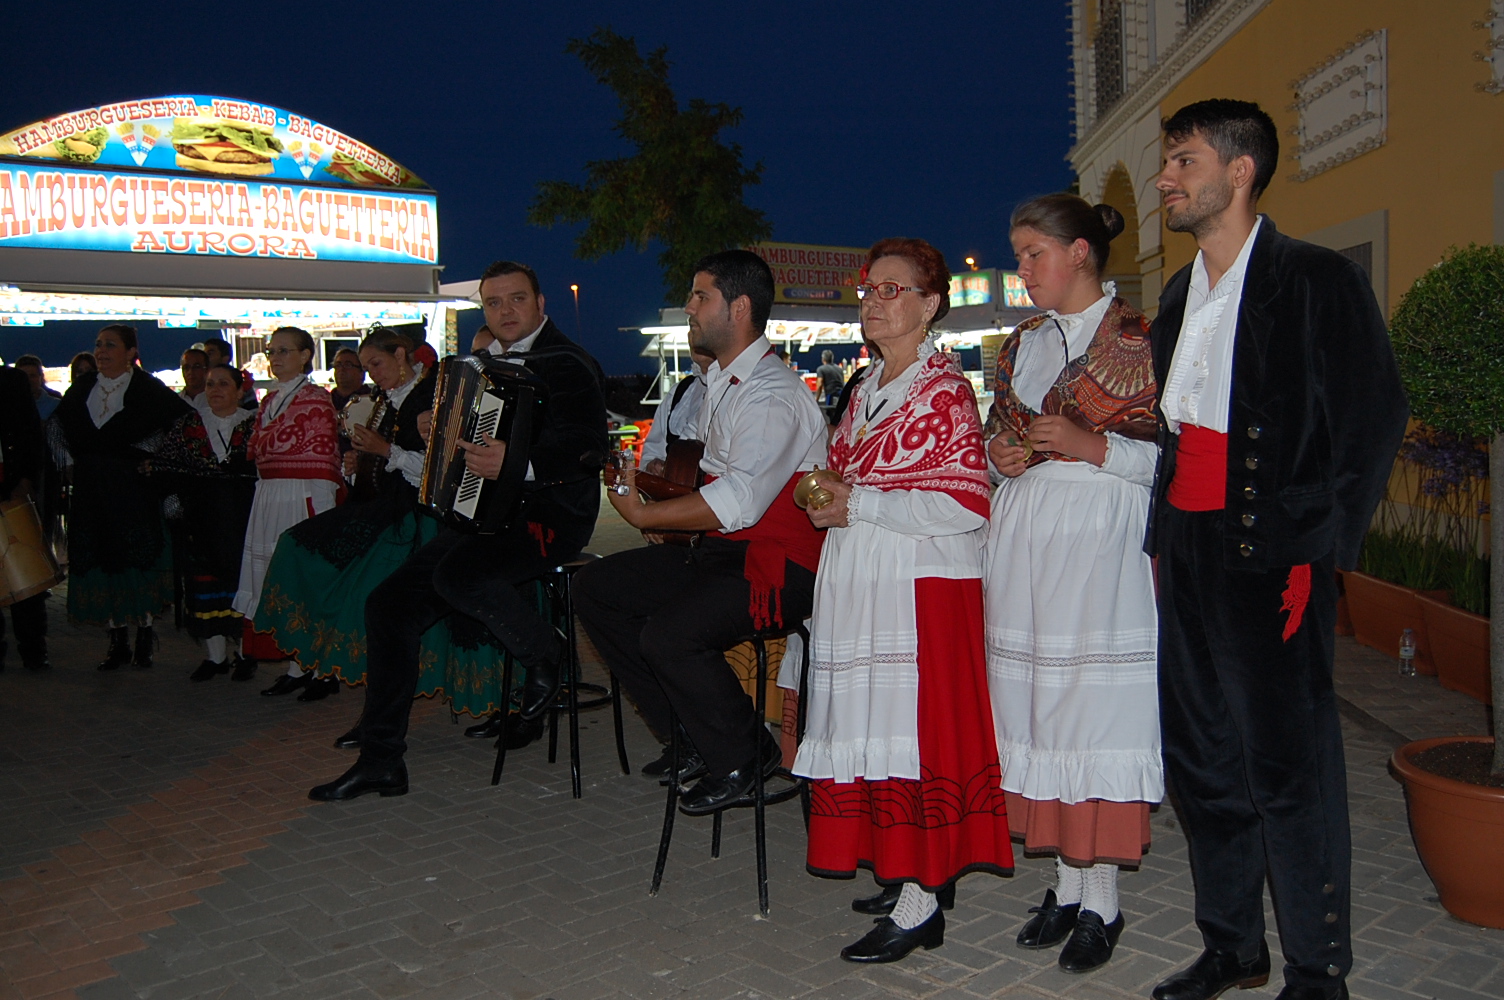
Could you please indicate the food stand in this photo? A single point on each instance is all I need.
(214, 214)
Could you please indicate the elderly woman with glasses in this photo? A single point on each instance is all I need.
(296, 450)
(900, 740)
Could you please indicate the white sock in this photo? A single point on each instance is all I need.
(214, 648)
(295, 669)
(146, 621)
(1099, 894)
(914, 906)
(1067, 883)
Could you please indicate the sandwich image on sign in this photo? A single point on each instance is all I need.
(222, 146)
(80, 147)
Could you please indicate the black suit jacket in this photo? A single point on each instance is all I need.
(21, 441)
(570, 443)
(1318, 411)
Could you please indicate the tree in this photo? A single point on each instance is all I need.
(1447, 334)
(682, 188)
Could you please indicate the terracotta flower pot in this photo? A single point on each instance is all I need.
(1382, 610)
(1459, 647)
(1458, 830)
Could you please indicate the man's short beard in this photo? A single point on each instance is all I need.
(1197, 217)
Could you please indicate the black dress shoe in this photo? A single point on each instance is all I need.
(1051, 923)
(1091, 942)
(887, 942)
(36, 662)
(119, 653)
(493, 727)
(1214, 973)
(541, 689)
(882, 904)
(735, 789)
(245, 669)
(146, 645)
(209, 669)
(1293, 992)
(520, 732)
(692, 767)
(363, 777)
(319, 688)
(287, 683)
(350, 740)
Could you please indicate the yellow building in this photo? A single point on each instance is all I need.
(1390, 113)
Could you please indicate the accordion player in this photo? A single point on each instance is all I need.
(476, 397)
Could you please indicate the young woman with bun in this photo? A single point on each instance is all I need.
(1071, 627)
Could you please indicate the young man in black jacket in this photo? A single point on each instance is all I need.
(478, 575)
(1281, 411)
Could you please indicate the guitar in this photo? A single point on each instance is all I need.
(681, 477)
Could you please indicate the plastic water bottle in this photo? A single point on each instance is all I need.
(1407, 653)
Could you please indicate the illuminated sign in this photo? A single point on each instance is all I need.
(88, 209)
(813, 274)
(207, 136)
(1015, 295)
(970, 289)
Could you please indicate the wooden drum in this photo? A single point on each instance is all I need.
(26, 564)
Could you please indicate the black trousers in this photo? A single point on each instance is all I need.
(1253, 750)
(30, 620)
(476, 575)
(663, 617)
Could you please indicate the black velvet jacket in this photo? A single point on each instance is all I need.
(21, 442)
(1318, 410)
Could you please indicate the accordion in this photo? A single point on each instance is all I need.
(473, 397)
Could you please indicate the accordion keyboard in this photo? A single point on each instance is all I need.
(487, 416)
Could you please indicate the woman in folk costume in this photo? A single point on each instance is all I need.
(900, 740)
(120, 562)
(296, 450)
(1071, 627)
(203, 462)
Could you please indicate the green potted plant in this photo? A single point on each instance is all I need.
(1448, 335)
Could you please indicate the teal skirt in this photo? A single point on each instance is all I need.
(97, 597)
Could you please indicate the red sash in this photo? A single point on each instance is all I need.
(784, 532)
(1200, 481)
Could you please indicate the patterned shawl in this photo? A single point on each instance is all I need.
(1109, 388)
(932, 441)
(301, 443)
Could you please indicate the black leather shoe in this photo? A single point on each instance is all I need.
(209, 669)
(286, 684)
(1293, 992)
(146, 645)
(319, 688)
(691, 767)
(541, 689)
(520, 732)
(1214, 973)
(245, 669)
(1051, 923)
(493, 727)
(36, 662)
(119, 653)
(388, 779)
(887, 942)
(1091, 942)
(350, 740)
(882, 904)
(735, 789)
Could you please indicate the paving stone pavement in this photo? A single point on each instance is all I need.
(463, 890)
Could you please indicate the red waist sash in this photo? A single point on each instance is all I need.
(784, 532)
(1200, 481)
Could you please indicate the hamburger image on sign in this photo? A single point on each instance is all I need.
(80, 147)
(222, 146)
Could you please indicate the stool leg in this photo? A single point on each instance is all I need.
(758, 805)
(572, 665)
(673, 804)
(621, 740)
(715, 834)
(506, 704)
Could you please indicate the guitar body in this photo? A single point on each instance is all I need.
(681, 477)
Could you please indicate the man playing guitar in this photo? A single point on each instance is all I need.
(662, 616)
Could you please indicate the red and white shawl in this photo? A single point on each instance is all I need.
(301, 442)
(931, 441)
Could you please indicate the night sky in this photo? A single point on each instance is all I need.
(871, 120)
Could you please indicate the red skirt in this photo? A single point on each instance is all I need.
(953, 820)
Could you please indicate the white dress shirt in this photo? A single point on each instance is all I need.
(107, 398)
(508, 353)
(199, 402)
(1199, 389)
(682, 419)
(409, 463)
(1042, 354)
(760, 424)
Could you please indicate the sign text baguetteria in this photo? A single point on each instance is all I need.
(141, 213)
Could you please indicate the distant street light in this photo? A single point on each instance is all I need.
(971, 262)
(576, 290)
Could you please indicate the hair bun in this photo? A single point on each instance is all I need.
(1112, 219)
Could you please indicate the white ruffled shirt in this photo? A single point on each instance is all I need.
(409, 463)
(107, 398)
(221, 429)
(1044, 350)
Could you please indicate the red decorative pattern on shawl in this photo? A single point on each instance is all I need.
(302, 443)
(1296, 596)
(1112, 391)
(932, 441)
